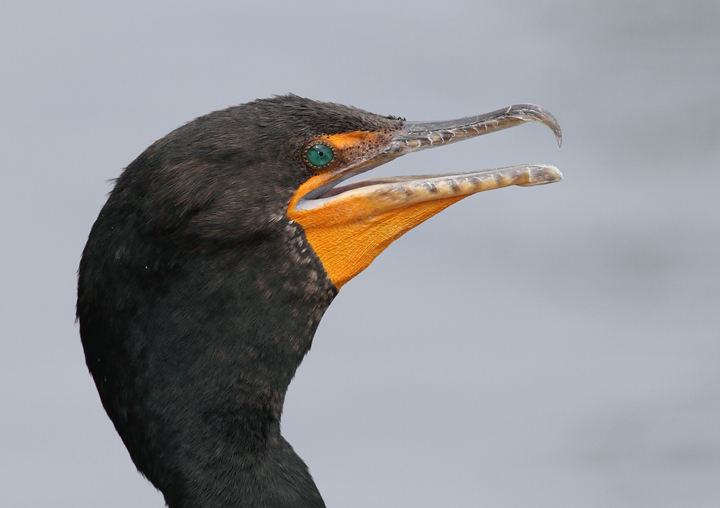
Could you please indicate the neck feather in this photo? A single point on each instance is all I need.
(192, 362)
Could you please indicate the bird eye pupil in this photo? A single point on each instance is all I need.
(319, 155)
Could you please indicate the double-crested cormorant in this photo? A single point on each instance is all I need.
(208, 270)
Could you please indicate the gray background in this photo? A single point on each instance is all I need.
(554, 346)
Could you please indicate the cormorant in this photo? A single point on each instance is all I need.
(217, 253)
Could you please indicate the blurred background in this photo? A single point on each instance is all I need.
(552, 346)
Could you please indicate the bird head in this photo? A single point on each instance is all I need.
(241, 173)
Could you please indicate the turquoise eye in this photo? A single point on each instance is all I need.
(319, 155)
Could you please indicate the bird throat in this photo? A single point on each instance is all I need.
(348, 237)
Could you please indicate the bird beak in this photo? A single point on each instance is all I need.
(349, 225)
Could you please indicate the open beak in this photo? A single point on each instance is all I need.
(349, 225)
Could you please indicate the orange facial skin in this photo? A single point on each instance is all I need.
(347, 234)
(348, 237)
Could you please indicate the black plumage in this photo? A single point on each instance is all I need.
(198, 298)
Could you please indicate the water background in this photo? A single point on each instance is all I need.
(553, 346)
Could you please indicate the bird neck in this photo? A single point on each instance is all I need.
(192, 366)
